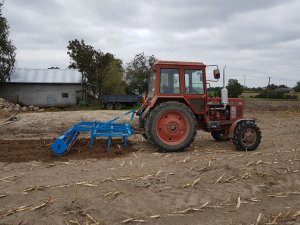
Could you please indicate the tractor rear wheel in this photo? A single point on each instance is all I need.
(118, 106)
(171, 126)
(109, 106)
(219, 136)
(144, 136)
(247, 136)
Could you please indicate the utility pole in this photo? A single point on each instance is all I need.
(244, 81)
(268, 87)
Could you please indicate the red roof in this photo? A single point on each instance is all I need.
(180, 63)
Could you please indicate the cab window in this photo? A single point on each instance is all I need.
(151, 86)
(193, 82)
(169, 81)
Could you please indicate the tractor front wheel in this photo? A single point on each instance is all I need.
(247, 136)
(171, 126)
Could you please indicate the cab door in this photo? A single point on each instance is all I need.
(194, 88)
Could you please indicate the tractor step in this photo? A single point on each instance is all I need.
(108, 129)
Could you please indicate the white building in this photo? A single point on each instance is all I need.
(44, 87)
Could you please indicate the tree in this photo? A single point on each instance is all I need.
(7, 49)
(297, 87)
(138, 72)
(234, 88)
(113, 83)
(102, 71)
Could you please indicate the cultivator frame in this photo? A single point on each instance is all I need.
(108, 129)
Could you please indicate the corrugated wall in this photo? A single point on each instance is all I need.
(40, 94)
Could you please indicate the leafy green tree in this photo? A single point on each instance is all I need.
(102, 71)
(7, 49)
(297, 87)
(113, 83)
(214, 91)
(235, 89)
(138, 72)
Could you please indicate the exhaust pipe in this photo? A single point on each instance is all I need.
(224, 91)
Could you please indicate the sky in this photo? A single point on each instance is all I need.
(255, 39)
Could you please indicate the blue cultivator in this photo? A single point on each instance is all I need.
(107, 130)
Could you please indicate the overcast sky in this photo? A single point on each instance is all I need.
(255, 38)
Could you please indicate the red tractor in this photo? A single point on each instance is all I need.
(177, 105)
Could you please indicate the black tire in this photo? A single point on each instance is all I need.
(118, 106)
(219, 136)
(144, 136)
(109, 106)
(180, 124)
(247, 136)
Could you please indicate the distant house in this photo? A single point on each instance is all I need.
(44, 87)
(285, 90)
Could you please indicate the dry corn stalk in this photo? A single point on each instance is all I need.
(92, 219)
(155, 216)
(10, 177)
(115, 194)
(260, 215)
(87, 184)
(189, 210)
(13, 211)
(134, 220)
(124, 179)
(238, 204)
(196, 182)
(39, 206)
(128, 220)
(204, 205)
(123, 163)
(275, 219)
(296, 215)
(220, 178)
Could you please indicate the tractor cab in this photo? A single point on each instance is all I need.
(185, 82)
(180, 81)
(177, 104)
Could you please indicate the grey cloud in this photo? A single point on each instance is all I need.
(252, 37)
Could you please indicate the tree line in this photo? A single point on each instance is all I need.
(235, 89)
(105, 74)
(7, 49)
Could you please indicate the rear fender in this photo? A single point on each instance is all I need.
(233, 126)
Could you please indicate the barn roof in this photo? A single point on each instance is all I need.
(49, 76)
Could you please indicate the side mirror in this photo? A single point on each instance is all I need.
(216, 73)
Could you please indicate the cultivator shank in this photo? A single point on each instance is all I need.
(108, 129)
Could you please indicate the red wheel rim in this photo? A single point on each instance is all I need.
(172, 128)
(248, 137)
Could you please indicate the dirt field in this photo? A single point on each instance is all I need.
(210, 183)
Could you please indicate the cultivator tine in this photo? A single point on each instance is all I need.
(109, 140)
(125, 141)
(91, 144)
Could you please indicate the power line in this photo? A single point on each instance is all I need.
(264, 76)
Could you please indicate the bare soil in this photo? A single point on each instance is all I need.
(210, 183)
